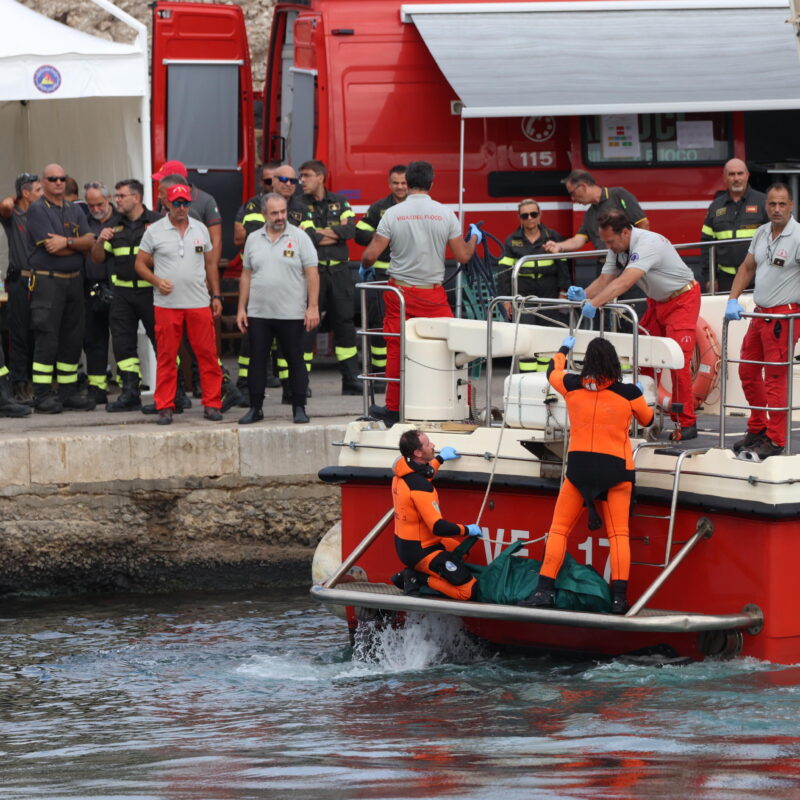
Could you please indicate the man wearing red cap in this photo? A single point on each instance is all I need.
(203, 208)
(176, 256)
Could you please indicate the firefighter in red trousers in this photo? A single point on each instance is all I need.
(424, 540)
(673, 299)
(599, 463)
(417, 231)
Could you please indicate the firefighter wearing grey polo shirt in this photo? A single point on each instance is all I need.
(673, 298)
(176, 256)
(278, 298)
(418, 232)
(774, 260)
(60, 236)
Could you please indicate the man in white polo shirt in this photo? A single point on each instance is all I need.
(179, 249)
(278, 298)
(774, 260)
(417, 232)
(673, 298)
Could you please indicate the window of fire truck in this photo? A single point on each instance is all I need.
(664, 140)
(196, 91)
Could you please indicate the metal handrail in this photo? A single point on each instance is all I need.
(703, 530)
(572, 305)
(710, 246)
(364, 332)
(676, 480)
(360, 549)
(789, 408)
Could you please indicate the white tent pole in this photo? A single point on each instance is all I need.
(144, 113)
(459, 290)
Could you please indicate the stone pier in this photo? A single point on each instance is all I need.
(91, 501)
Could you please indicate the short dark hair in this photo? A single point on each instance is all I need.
(778, 187)
(579, 176)
(173, 180)
(419, 175)
(135, 186)
(409, 443)
(23, 182)
(400, 169)
(315, 166)
(601, 361)
(615, 220)
(71, 186)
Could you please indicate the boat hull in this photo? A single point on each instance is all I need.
(748, 561)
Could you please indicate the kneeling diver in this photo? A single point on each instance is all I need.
(424, 540)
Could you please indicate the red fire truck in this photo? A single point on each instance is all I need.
(503, 98)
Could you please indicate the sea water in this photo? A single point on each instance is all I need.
(254, 696)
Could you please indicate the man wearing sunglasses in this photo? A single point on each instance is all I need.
(60, 235)
(544, 278)
(249, 217)
(14, 218)
(582, 188)
(176, 257)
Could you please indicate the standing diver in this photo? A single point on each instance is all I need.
(599, 463)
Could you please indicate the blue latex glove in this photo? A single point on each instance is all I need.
(588, 310)
(639, 386)
(366, 273)
(449, 453)
(474, 230)
(576, 293)
(474, 530)
(733, 310)
(569, 342)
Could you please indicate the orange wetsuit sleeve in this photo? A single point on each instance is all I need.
(556, 370)
(643, 413)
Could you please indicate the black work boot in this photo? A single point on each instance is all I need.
(231, 396)
(244, 390)
(71, 399)
(45, 400)
(23, 392)
(751, 439)
(100, 396)
(619, 597)
(255, 414)
(351, 385)
(413, 581)
(544, 596)
(129, 399)
(9, 407)
(299, 416)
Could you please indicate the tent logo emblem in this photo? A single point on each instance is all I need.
(47, 79)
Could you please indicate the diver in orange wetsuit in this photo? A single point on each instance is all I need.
(599, 463)
(423, 539)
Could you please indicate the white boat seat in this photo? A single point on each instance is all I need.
(467, 339)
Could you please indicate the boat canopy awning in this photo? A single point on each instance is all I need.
(627, 56)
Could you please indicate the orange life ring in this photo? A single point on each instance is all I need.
(704, 366)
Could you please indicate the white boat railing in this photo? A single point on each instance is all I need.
(788, 365)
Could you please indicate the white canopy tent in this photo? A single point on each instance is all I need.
(72, 98)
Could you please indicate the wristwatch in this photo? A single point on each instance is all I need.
(217, 297)
(69, 242)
